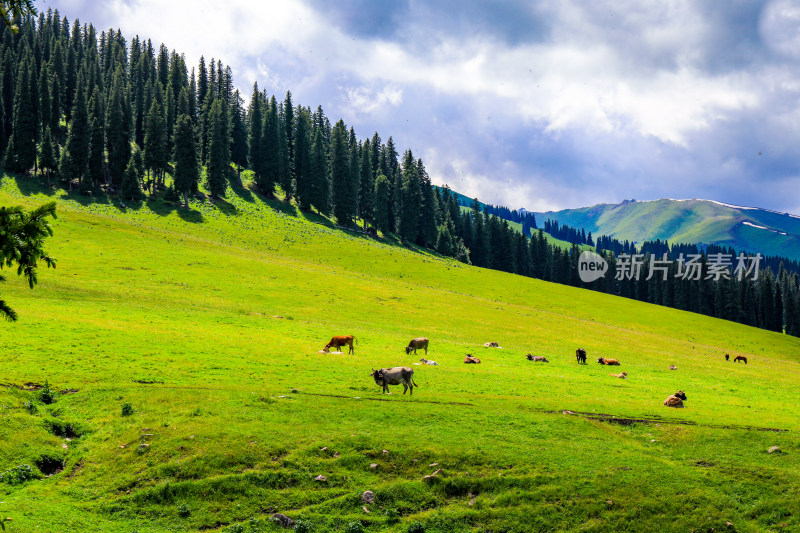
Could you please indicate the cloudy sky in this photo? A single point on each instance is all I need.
(538, 104)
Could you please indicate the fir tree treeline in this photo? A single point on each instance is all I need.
(92, 111)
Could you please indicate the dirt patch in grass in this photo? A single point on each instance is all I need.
(655, 419)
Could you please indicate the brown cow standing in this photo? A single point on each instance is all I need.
(338, 342)
(580, 355)
(740, 358)
(727, 357)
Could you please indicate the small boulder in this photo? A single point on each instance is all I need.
(774, 449)
(368, 496)
(373, 465)
(282, 520)
(321, 478)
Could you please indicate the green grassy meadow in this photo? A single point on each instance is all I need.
(208, 324)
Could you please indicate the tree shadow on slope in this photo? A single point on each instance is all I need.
(164, 208)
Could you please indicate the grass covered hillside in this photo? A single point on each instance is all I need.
(689, 221)
(182, 351)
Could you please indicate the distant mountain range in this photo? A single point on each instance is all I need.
(688, 221)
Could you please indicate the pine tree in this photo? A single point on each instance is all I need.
(25, 123)
(75, 156)
(255, 121)
(302, 158)
(132, 177)
(354, 178)
(155, 146)
(270, 149)
(411, 197)
(285, 173)
(320, 187)
(340, 175)
(381, 202)
(97, 144)
(218, 151)
(288, 134)
(47, 154)
(427, 212)
(238, 148)
(366, 193)
(187, 171)
(118, 132)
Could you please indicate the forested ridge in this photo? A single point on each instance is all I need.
(93, 113)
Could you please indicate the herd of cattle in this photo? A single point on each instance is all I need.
(403, 375)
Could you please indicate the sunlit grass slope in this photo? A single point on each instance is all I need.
(208, 323)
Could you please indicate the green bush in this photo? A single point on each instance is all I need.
(183, 510)
(46, 395)
(416, 527)
(354, 527)
(303, 526)
(17, 475)
(127, 409)
(392, 516)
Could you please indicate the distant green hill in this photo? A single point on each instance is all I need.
(689, 221)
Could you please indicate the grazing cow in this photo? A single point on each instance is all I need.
(727, 357)
(471, 360)
(673, 367)
(623, 375)
(428, 362)
(537, 358)
(580, 354)
(604, 361)
(420, 343)
(399, 375)
(491, 345)
(676, 400)
(740, 358)
(338, 342)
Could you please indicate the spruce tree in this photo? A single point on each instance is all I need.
(218, 151)
(366, 192)
(75, 156)
(130, 186)
(302, 158)
(155, 146)
(285, 163)
(47, 154)
(354, 179)
(187, 171)
(288, 134)
(25, 122)
(238, 148)
(339, 166)
(96, 143)
(411, 197)
(320, 186)
(270, 149)
(381, 203)
(117, 130)
(427, 212)
(256, 126)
